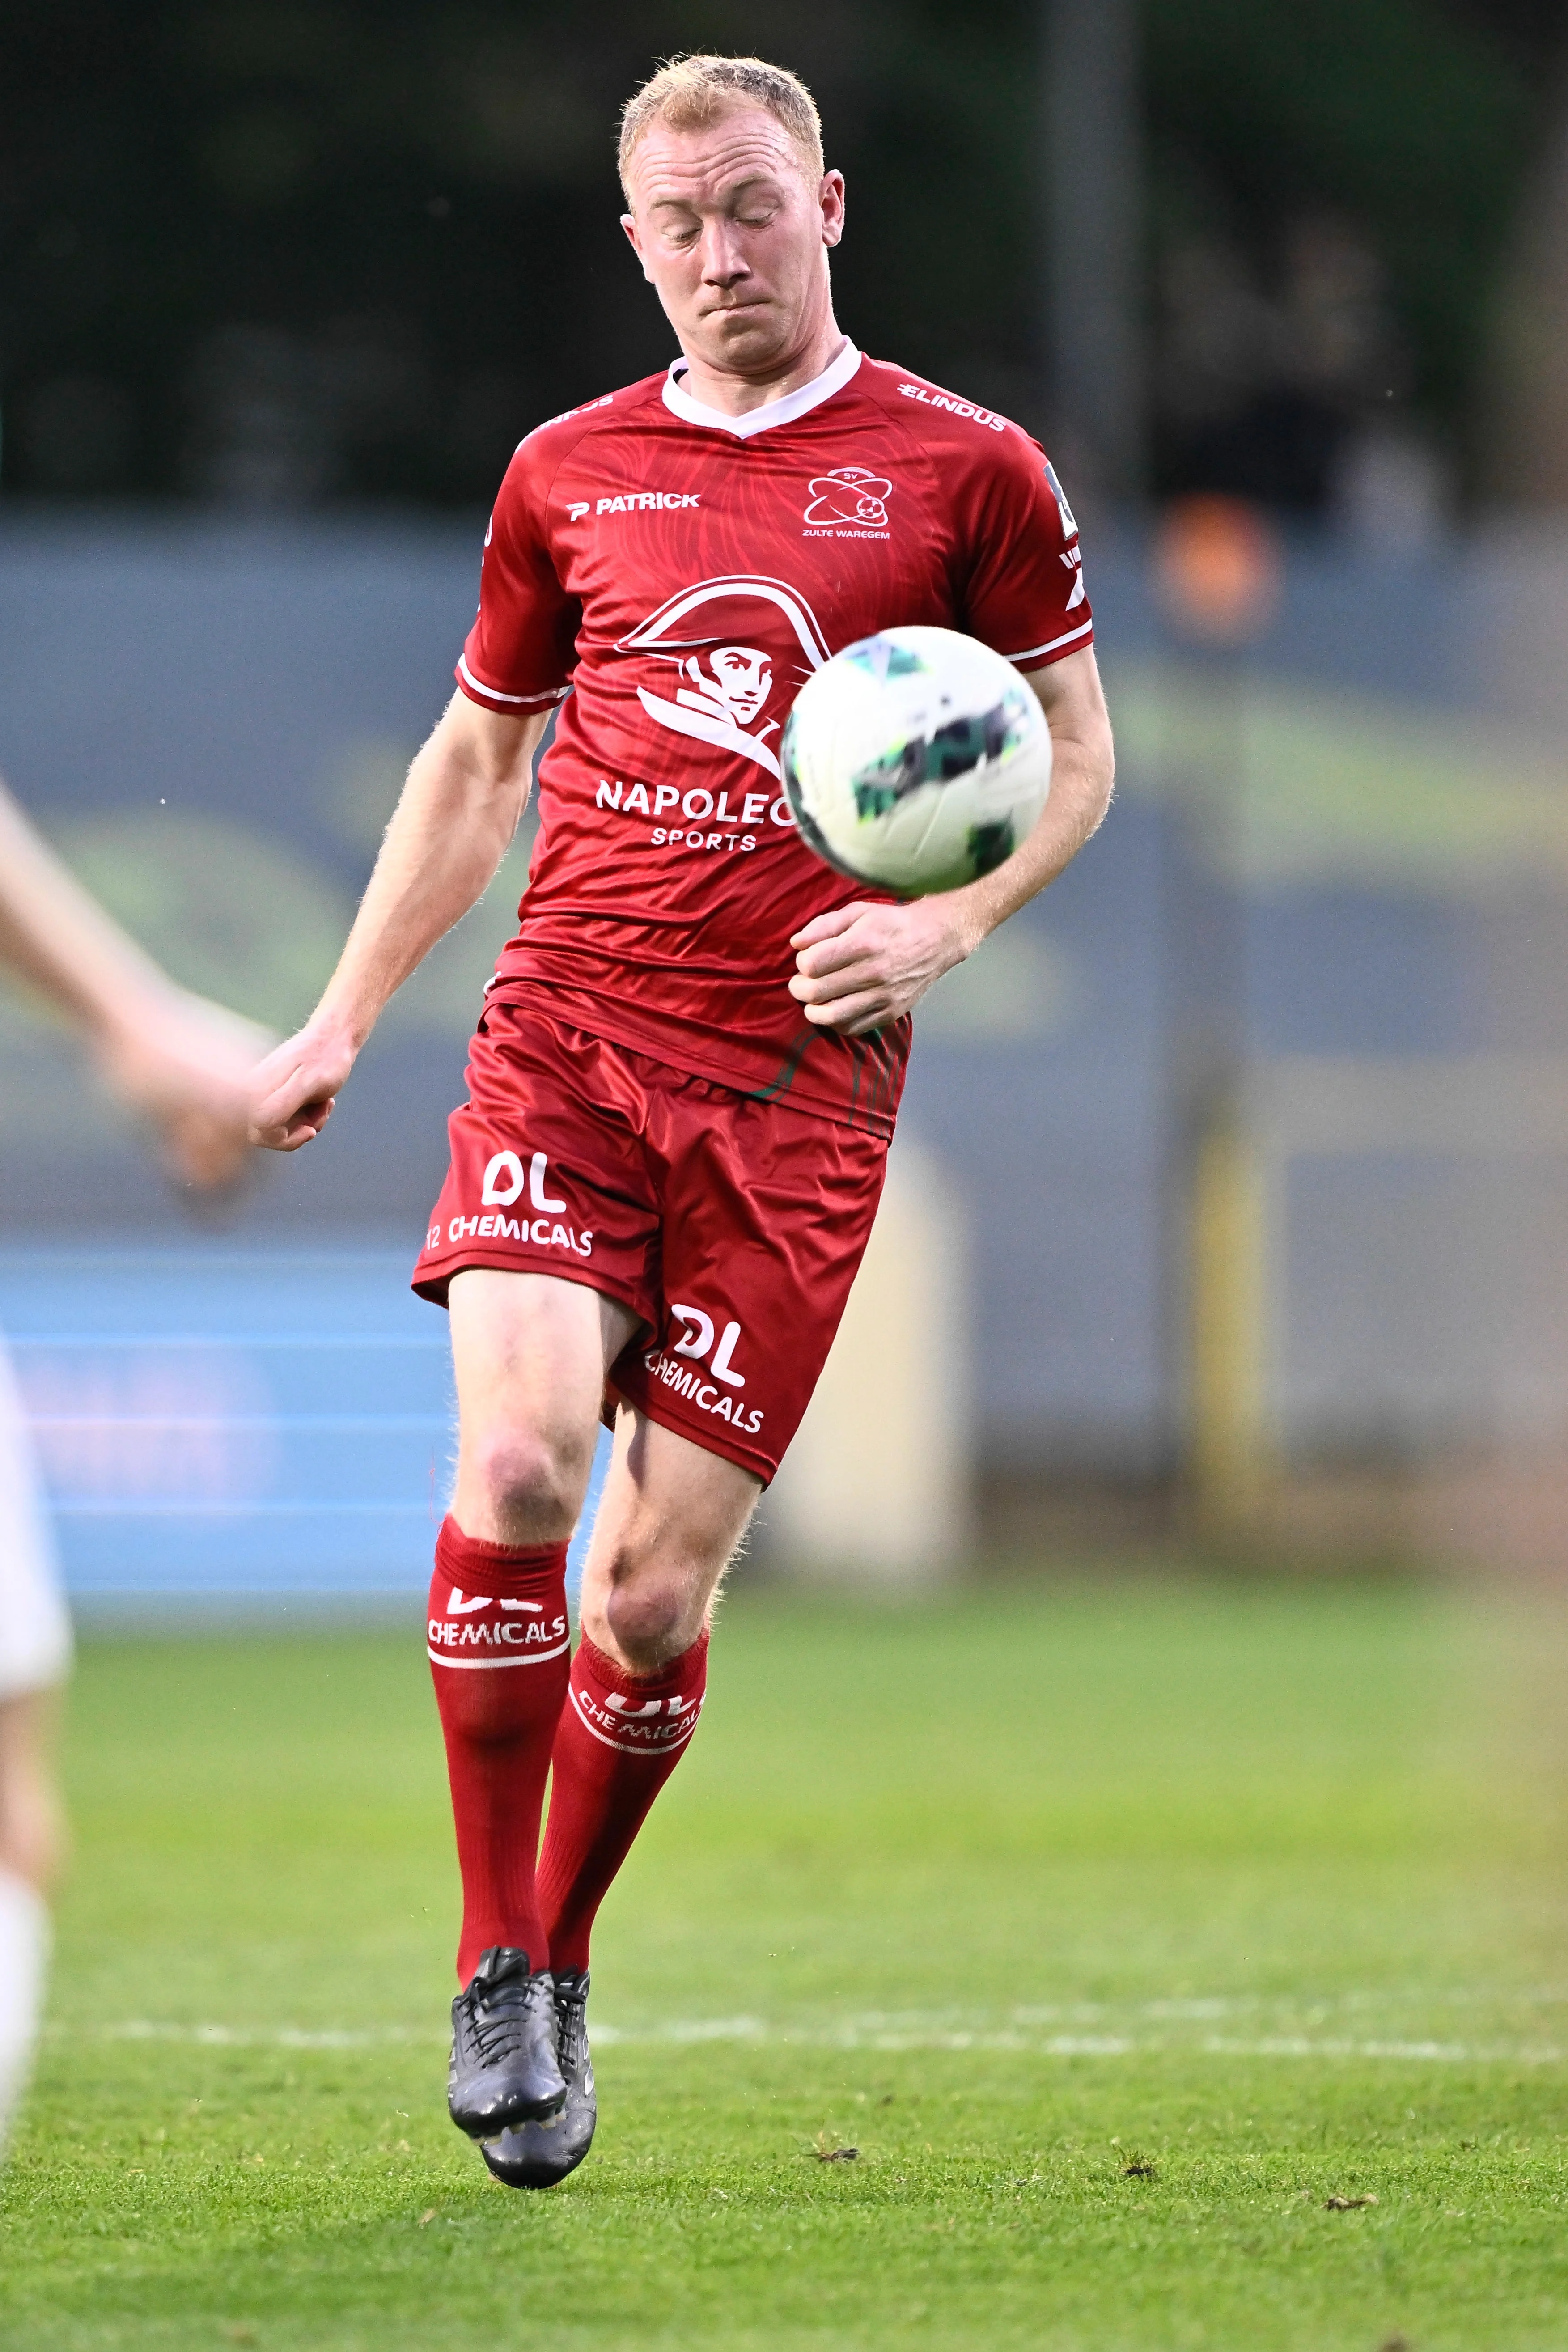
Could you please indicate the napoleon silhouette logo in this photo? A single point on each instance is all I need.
(720, 686)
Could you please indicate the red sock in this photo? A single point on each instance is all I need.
(498, 1644)
(618, 1742)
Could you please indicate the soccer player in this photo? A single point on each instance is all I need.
(689, 1061)
(184, 1066)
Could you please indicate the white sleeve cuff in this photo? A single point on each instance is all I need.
(518, 702)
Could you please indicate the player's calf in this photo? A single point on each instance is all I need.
(620, 1738)
(498, 1639)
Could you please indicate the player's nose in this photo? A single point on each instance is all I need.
(724, 263)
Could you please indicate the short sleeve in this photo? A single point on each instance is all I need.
(1023, 594)
(521, 649)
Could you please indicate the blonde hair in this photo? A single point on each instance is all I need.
(689, 92)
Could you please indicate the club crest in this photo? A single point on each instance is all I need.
(849, 495)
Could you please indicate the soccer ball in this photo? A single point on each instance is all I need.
(916, 759)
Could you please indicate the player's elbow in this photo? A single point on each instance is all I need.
(1104, 773)
(1096, 770)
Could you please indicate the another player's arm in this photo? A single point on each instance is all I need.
(465, 794)
(182, 1062)
(863, 966)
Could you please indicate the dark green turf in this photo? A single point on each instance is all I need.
(1257, 1891)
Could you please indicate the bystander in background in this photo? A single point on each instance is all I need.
(183, 1065)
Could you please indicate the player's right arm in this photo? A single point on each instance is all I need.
(466, 793)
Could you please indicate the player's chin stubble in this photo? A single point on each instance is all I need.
(751, 335)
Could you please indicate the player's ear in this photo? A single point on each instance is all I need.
(629, 225)
(830, 196)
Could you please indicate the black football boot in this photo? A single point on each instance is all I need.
(538, 2155)
(503, 2068)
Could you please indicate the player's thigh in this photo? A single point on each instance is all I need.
(671, 1517)
(766, 1211)
(530, 1353)
(547, 1174)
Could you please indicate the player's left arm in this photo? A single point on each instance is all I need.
(863, 966)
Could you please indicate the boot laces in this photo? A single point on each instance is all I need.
(498, 2018)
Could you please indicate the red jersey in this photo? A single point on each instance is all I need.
(675, 575)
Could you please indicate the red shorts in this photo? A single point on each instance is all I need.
(732, 1228)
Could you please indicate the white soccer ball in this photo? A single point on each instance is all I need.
(916, 759)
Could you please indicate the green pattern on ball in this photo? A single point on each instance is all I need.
(947, 752)
(880, 660)
(989, 845)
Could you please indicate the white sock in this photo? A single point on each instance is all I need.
(24, 1954)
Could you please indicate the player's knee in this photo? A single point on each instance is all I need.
(529, 1486)
(652, 1619)
(32, 1833)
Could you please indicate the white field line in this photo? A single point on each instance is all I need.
(257, 2037)
(915, 2031)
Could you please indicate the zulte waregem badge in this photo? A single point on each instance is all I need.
(851, 502)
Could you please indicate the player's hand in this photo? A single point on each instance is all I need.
(185, 1065)
(861, 967)
(293, 1091)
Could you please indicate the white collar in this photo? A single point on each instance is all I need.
(773, 411)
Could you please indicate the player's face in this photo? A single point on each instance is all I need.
(732, 231)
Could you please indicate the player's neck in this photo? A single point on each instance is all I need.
(737, 396)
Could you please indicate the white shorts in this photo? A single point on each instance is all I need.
(35, 1630)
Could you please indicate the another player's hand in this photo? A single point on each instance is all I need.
(861, 967)
(187, 1065)
(293, 1091)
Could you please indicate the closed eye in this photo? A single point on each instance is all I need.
(687, 232)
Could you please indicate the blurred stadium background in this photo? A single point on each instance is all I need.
(1234, 1195)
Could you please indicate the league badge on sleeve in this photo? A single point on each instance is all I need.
(1069, 527)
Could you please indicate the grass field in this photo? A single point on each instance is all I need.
(1118, 1930)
